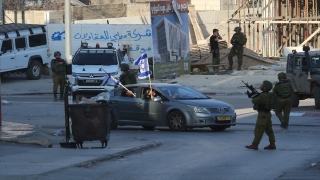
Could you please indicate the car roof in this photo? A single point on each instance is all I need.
(311, 53)
(158, 85)
(5, 28)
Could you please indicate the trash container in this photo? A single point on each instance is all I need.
(90, 122)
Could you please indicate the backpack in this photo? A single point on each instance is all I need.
(272, 101)
(284, 90)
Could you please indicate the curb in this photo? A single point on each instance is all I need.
(42, 142)
(120, 154)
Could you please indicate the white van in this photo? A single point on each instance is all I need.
(24, 49)
(88, 65)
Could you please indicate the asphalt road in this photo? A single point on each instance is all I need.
(197, 154)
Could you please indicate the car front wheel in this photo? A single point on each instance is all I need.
(177, 121)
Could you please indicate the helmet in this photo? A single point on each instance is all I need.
(282, 75)
(268, 85)
(124, 67)
(56, 53)
(237, 29)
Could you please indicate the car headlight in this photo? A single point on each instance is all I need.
(231, 108)
(74, 74)
(198, 109)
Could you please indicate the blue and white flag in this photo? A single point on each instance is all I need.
(109, 80)
(142, 61)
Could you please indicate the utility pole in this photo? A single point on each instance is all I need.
(228, 3)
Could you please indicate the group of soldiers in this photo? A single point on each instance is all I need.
(238, 40)
(282, 92)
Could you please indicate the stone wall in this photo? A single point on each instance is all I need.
(106, 2)
(99, 11)
(134, 9)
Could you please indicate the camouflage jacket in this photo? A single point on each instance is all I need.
(260, 101)
(128, 78)
(239, 38)
(58, 69)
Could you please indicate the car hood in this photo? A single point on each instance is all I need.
(205, 103)
(94, 69)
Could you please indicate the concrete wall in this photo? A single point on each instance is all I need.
(122, 20)
(206, 5)
(134, 9)
(98, 2)
(99, 11)
(34, 17)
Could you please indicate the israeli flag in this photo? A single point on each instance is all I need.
(108, 80)
(142, 61)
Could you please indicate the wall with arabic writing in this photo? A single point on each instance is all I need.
(138, 37)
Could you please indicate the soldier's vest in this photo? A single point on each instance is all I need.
(284, 90)
(272, 103)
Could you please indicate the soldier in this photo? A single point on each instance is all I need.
(263, 123)
(127, 77)
(283, 89)
(214, 39)
(58, 67)
(238, 40)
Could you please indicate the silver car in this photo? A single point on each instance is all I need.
(178, 107)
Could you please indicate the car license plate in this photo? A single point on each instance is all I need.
(224, 118)
(91, 81)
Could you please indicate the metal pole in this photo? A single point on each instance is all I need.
(0, 103)
(67, 24)
(228, 25)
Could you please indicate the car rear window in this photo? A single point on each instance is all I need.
(93, 58)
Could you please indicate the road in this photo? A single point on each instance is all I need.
(197, 154)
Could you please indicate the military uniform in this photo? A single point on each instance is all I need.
(284, 103)
(263, 122)
(59, 72)
(128, 78)
(238, 40)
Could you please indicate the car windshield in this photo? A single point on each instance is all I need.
(93, 58)
(182, 92)
(315, 61)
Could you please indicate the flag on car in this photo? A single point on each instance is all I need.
(142, 61)
(109, 80)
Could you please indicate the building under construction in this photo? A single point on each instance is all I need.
(271, 25)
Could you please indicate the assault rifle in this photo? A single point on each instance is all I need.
(254, 92)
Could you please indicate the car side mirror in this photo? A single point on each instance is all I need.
(157, 99)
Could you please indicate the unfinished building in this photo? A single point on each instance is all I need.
(271, 25)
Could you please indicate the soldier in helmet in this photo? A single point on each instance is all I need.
(127, 77)
(238, 40)
(263, 123)
(58, 67)
(283, 89)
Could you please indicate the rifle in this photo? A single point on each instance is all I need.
(254, 92)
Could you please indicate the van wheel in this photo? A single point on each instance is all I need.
(317, 97)
(34, 70)
(295, 100)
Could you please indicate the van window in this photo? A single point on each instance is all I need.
(37, 40)
(20, 43)
(6, 45)
(95, 59)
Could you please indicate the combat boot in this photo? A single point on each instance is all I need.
(239, 68)
(271, 146)
(230, 67)
(255, 147)
(55, 98)
(61, 96)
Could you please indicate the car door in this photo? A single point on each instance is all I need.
(7, 56)
(22, 55)
(126, 109)
(299, 76)
(154, 113)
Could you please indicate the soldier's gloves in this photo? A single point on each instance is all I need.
(249, 94)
